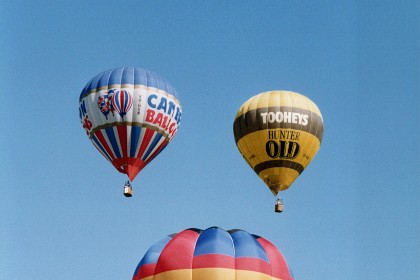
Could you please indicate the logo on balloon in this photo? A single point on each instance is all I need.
(104, 103)
(119, 101)
(282, 149)
(280, 146)
(285, 117)
(122, 101)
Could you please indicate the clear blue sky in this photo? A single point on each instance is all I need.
(353, 214)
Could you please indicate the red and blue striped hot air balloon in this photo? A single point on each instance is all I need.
(213, 254)
(121, 102)
(147, 117)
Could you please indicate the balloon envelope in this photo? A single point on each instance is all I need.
(278, 133)
(213, 254)
(130, 114)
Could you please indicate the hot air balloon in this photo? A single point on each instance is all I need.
(130, 114)
(278, 133)
(213, 254)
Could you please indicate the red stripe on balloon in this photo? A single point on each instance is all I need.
(122, 99)
(178, 253)
(224, 261)
(157, 151)
(104, 144)
(145, 270)
(213, 260)
(122, 135)
(130, 101)
(279, 267)
(145, 141)
(253, 264)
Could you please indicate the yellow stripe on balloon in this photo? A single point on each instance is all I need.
(210, 274)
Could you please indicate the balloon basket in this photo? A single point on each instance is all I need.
(128, 190)
(278, 207)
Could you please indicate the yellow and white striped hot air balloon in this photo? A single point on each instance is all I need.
(278, 133)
